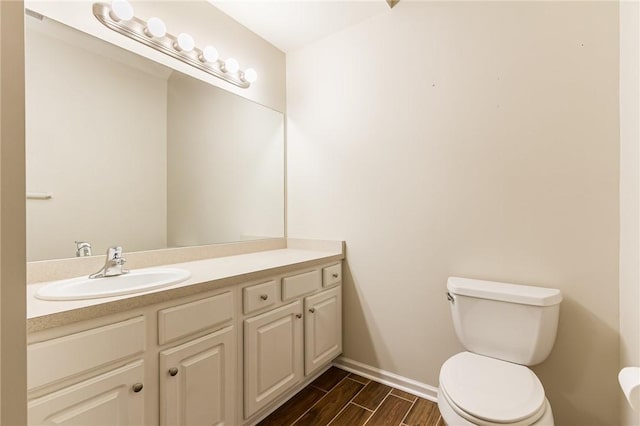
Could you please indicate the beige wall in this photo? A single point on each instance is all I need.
(13, 369)
(225, 166)
(629, 196)
(206, 24)
(472, 139)
(101, 153)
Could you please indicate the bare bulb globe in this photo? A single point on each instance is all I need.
(156, 28)
(121, 10)
(185, 42)
(231, 65)
(209, 54)
(250, 75)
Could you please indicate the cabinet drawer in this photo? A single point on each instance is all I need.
(332, 275)
(298, 285)
(259, 296)
(77, 353)
(182, 320)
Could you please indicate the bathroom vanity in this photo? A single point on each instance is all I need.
(249, 327)
(225, 347)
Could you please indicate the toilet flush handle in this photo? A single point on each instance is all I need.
(450, 298)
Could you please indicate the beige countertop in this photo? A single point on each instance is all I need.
(205, 275)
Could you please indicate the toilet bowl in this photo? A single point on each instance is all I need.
(504, 328)
(479, 390)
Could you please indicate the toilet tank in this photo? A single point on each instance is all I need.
(511, 322)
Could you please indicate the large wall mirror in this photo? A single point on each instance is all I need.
(124, 151)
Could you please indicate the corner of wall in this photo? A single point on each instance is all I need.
(629, 196)
(13, 370)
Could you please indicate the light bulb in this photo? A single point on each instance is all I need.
(185, 42)
(231, 65)
(209, 54)
(250, 75)
(155, 28)
(121, 10)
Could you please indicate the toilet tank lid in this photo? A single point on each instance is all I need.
(514, 293)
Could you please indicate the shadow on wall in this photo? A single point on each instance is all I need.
(362, 332)
(563, 373)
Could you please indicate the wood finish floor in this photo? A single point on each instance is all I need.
(340, 398)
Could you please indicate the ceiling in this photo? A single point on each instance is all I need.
(290, 24)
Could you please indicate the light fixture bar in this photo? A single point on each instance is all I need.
(134, 28)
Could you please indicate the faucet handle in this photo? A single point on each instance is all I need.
(115, 259)
(114, 253)
(113, 264)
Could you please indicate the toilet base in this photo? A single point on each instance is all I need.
(451, 418)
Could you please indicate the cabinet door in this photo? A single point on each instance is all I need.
(272, 355)
(197, 381)
(323, 328)
(108, 399)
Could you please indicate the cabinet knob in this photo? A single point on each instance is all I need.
(173, 371)
(264, 296)
(334, 275)
(312, 310)
(298, 316)
(137, 387)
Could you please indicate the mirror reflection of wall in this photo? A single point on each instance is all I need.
(139, 155)
(225, 154)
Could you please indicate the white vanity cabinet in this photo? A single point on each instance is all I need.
(297, 338)
(197, 378)
(222, 357)
(197, 381)
(322, 329)
(272, 355)
(114, 398)
(171, 364)
(86, 377)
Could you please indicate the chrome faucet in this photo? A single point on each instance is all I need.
(83, 248)
(113, 264)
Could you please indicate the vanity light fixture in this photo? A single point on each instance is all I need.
(119, 16)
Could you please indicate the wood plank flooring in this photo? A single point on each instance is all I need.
(340, 398)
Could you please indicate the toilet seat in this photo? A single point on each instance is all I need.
(487, 391)
(452, 418)
(475, 421)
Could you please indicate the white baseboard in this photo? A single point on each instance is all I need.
(386, 377)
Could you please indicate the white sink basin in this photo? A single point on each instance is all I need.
(92, 288)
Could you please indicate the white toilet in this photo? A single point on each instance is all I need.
(504, 328)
